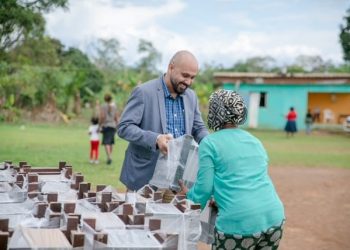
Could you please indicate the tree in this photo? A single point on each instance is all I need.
(27, 69)
(254, 64)
(344, 36)
(314, 64)
(148, 62)
(85, 78)
(108, 56)
(40, 73)
(20, 18)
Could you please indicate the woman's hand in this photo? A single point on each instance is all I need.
(183, 188)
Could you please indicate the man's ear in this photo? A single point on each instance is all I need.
(171, 66)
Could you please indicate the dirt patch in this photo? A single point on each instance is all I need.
(317, 206)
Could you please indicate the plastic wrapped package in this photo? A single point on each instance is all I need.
(28, 238)
(173, 221)
(115, 195)
(181, 162)
(132, 239)
(14, 194)
(55, 186)
(52, 221)
(29, 221)
(22, 214)
(146, 194)
(191, 168)
(8, 175)
(89, 243)
(65, 193)
(16, 212)
(104, 220)
(70, 195)
(52, 177)
(59, 184)
(121, 239)
(84, 205)
(16, 219)
(17, 208)
(5, 187)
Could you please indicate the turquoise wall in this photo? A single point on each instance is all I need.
(279, 98)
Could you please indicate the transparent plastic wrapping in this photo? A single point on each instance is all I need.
(146, 194)
(16, 219)
(55, 186)
(53, 177)
(132, 239)
(89, 242)
(13, 194)
(115, 195)
(181, 162)
(8, 174)
(173, 221)
(17, 208)
(69, 196)
(208, 219)
(121, 239)
(52, 221)
(5, 187)
(104, 220)
(22, 214)
(84, 205)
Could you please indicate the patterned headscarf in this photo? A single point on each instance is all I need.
(226, 106)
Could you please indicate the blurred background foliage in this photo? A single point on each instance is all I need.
(42, 80)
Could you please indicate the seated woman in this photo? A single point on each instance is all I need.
(233, 168)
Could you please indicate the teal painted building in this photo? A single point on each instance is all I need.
(269, 96)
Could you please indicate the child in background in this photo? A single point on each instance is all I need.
(94, 140)
(308, 122)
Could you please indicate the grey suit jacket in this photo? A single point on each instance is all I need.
(142, 120)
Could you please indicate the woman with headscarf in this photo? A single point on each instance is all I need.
(233, 168)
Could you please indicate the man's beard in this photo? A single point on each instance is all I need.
(176, 87)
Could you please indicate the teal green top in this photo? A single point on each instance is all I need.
(233, 168)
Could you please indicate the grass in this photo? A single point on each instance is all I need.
(46, 145)
(317, 150)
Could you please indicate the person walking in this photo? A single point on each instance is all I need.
(157, 111)
(233, 168)
(94, 140)
(108, 124)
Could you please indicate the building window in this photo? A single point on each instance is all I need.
(262, 102)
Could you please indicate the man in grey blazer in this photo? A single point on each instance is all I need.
(157, 111)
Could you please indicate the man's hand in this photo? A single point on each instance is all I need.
(162, 142)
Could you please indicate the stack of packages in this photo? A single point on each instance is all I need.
(181, 163)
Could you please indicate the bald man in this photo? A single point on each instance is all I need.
(157, 111)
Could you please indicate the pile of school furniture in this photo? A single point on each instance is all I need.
(53, 207)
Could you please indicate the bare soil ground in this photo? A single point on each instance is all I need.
(317, 206)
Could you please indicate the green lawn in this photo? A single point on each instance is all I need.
(46, 145)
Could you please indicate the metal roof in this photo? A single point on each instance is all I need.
(275, 78)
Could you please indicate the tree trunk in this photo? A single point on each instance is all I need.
(77, 103)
